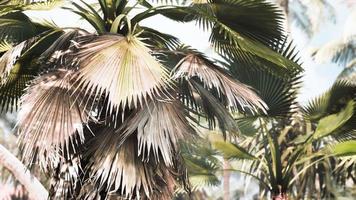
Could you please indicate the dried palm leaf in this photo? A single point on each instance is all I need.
(120, 68)
(237, 94)
(159, 127)
(117, 169)
(50, 119)
(65, 177)
(8, 60)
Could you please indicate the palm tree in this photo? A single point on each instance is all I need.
(306, 14)
(341, 50)
(307, 153)
(101, 113)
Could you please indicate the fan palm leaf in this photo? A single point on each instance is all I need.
(17, 27)
(17, 67)
(238, 95)
(331, 101)
(120, 68)
(159, 127)
(50, 118)
(119, 169)
(8, 6)
(8, 60)
(279, 93)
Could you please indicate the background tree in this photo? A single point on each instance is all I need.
(299, 154)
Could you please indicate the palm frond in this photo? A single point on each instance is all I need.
(238, 38)
(44, 5)
(120, 170)
(334, 122)
(159, 127)
(228, 149)
(120, 68)
(157, 39)
(17, 67)
(349, 73)
(59, 52)
(88, 13)
(202, 170)
(331, 101)
(344, 148)
(8, 60)
(16, 27)
(12, 89)
(19, 5)
(50, 119)
(66, 174)
(212, 109)
(340, 51)
(234, 31)
(238, 95)
(278, 92)
(4, 46)
(13, 78)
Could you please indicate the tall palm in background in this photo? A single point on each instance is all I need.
(308, 15)
(293, 151)
(102, 113)
(341, 50)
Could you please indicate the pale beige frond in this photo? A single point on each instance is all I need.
(117, 167)
(49, 118)
(8, 60)
(121, 68)
(237, 94)
(159, 127)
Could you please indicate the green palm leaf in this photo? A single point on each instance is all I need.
(330, 102)
(279, 93)
(234, 31)
(158, 39)
(88, 13)
(18, 66)
(229, 150)
(344, 148)
(334, 122)
(16, 27)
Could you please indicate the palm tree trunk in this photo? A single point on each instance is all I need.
(35, 189)
(281, 196)
(226, 179)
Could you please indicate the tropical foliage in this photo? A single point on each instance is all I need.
(308, 153)
(102, 113)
